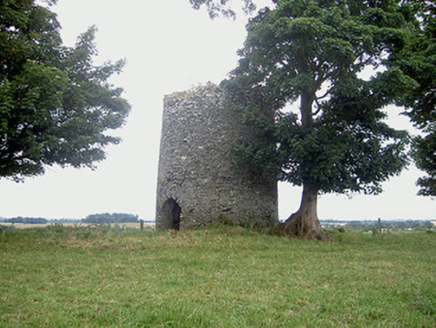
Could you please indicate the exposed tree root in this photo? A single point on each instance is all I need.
(302, 225)
(305, 223)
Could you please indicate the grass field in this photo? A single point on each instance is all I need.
(220, 277)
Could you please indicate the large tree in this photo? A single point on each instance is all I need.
(55, 104)
(418, 60)
(316, 53)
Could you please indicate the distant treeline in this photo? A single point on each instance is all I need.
(26, 220)
(93, 218)
(391, 224)
(111, 218)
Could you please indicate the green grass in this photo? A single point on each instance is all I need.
(222, 277)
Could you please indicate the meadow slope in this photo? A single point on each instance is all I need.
(217, 277)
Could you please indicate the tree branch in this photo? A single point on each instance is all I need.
(318, 106)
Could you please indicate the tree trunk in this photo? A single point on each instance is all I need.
(305, 223)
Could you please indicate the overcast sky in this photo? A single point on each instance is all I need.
(169, 47)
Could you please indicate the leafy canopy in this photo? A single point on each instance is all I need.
(316, 52)
(216, 8)
(55, 104)
(418, 59)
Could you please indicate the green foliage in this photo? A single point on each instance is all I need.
(315, 52)
(26, 220)
(4, 228)
(415, 225)
(55, 104)
(110, 218)
(216, 8)
(425, 159)
(418, 60)
(226, 277)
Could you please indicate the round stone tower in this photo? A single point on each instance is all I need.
(197, 182)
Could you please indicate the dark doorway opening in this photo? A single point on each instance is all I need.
(172, 214)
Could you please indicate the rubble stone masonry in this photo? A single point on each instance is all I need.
(197, 182)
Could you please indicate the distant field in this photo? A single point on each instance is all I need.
(135, 225)
(219, 277)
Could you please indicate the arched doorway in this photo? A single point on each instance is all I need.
(171, 214)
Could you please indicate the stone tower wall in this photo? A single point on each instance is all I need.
(197, 182)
